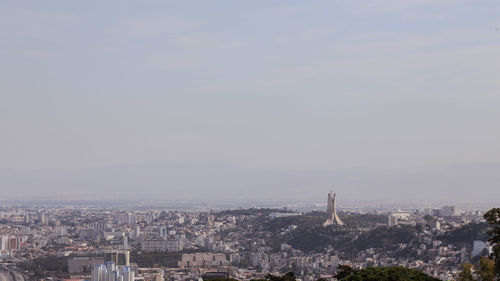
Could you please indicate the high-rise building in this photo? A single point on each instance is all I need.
(392, 220)
(99, 273)
(395, 217)
(447, 211)
(100, 226)
(110, 272)
(4, 242)
(12, 243)
(125, 242)
(83, 264)
(163, 245)
(118, 257)
(207, 260)
(162, 231)
(331, 211)
(138, 231)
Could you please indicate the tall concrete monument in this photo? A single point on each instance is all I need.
(331, 212)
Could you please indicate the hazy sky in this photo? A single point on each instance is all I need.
(278, 85)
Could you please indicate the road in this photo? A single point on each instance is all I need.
(3, 277)
(7, 274)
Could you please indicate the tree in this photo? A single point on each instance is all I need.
(466, 273)
(487, 269)
(289, 276)
(428, 218)
(391, 273)
(344, 271)
(493, 218)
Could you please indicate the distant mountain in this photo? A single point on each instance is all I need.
(465, 183)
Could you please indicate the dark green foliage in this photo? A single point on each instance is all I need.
(493, 218)
(396, 273)
(314, 220)
(464, 235)
(310, 234)
(305, 221)
(466, 273)
(486, 269)
(383, 237)
(344, 271)
(362, 220)
(289, 276)
(155, 259)
(310, 239)
(40, 267)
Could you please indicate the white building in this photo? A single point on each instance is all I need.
(163, 245)
(447, 211)
(394, 218)
(111, 272)
(206, 260)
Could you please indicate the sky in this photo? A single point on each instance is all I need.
(258, 92)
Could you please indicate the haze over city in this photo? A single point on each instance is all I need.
(328, 140)
(385, 101)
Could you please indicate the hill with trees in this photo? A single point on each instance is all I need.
(464, 235)
(309, 234)
(395, 273)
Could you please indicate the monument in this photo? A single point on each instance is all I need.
(331, 212)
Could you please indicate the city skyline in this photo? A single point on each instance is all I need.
(197, 140)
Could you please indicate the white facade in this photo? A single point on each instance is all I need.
(207, 260)
(447, 211)
(111, 272)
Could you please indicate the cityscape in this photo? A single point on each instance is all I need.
(102, 244)
(250, 140)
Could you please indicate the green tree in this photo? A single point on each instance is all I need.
(428, 218)
(487, 269)
(392, 273)
(344, 271)
(466, 273)
(289, 276)
(493, 218)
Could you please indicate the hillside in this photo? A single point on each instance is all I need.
(308, 233)
(398, 273)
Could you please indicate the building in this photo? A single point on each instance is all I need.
(478, 247)
(125, 242)
(447, 211)
(89, 234)
(118, 257)
(162, 231)
(392, 220)
(83, 264)
(110, 272)
(396, 217)
(100, 226)
(215, 275)
(13, 243)
(163, 245)
(282, 215)
(204, 260)
(4, 242)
